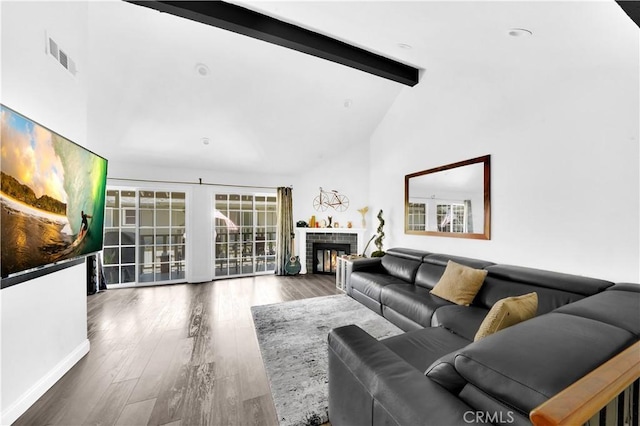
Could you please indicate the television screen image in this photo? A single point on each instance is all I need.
(52, 196)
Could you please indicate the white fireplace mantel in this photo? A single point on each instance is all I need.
(301, 240)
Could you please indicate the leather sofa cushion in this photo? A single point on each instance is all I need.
(407, 253)
(421, 348)
(496, 288)
(433, 267)
(359, 363)
(462, 320)
(371, 284)
(548, 279)
(619, 308)
(400, 267)
(415, 303)
(524, 365)
(493, 411)
(625, 287)
(443, 372)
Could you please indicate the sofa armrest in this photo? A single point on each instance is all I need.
(367, 264)
(370, 384)
(371, 264)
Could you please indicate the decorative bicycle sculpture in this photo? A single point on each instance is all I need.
(333, 198)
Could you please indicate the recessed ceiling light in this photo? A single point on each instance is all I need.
(205, 141)
(405, 46)
(202, 70)
(518, 32)
(348, 103)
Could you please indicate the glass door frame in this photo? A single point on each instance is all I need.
(256, 259)
(137, 232)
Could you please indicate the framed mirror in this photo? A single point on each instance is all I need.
(450, 201)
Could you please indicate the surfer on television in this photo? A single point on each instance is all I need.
(85, 222)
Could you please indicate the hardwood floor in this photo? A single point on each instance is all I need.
(178, 355)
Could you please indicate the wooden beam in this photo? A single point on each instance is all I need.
(631, 8)
(584, 398)
(262, 27)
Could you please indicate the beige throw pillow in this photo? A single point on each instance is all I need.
(507, 312)
(459, 284)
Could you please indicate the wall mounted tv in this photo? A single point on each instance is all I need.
(51, 199)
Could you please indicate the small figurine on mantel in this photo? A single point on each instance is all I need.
(330, 218)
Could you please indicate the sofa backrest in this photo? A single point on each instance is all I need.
(524, 365)
(554, 289)
(619, 306)
(402, 263)
(433, 265)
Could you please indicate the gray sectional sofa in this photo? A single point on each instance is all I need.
(435, 374)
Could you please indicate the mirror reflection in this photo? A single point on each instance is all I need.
(451, 200)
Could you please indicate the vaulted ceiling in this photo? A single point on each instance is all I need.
(168, 91)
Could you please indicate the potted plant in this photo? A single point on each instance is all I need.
(380, 237)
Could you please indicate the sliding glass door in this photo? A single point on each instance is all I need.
(245, 234)
(144, 236)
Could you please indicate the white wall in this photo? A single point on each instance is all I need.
(43, 321)
(348, 173)
(564, 153)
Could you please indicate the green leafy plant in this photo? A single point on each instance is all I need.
(380, 237)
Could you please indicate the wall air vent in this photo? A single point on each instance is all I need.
(53, 49)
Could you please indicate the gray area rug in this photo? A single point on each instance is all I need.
(293, 342)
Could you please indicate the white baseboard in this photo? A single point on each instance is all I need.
(22, 404)
(198, 279)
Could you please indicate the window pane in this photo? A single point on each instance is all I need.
(147, 200)
(145, 273)
(111, 238)
(111, 274)
(111, 256)
(146, 255)
(128, 199)
(234, 202)
(178, 253)
(146, 218)
(177, 218)
(162, 236)
(113, 199)
(127, 237)
(146, 237)
(162, 218)
(128, 274)
(162, 200)
(178, 200)
(128, 255)
(247, 202)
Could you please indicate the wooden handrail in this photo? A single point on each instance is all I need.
(576, 404)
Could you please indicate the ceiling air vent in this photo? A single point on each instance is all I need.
(53, 49)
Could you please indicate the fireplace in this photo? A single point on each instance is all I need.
(325, 256)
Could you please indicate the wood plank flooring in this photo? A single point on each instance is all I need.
(177, 355)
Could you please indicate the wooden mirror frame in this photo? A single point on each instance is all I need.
(486, 234)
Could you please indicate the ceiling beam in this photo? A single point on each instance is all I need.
(631, 8)
(262, 27)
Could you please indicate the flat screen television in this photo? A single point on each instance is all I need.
(52, 197)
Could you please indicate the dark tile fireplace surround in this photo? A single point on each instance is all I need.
(347, 243)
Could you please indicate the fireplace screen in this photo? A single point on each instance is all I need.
(325, 257)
